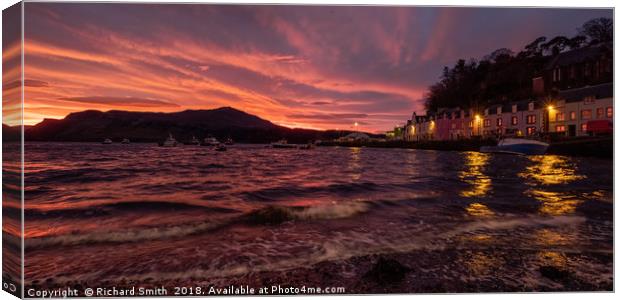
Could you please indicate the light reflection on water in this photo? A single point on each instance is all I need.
(547, 171)
(475, 163)
(302, 207)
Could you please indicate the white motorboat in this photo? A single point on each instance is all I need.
(517, 146)
(170, 141)
(210, 141)
(107, 141)
(283, 144)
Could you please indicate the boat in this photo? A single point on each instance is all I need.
(125, 141)
(283, 144)
(210, 141)
(229, 141)
(169, 142)
(308, 146)
(517, 146)
(194, 141)
(107, 141)
(220, 147)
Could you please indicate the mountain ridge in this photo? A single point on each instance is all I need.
(223, 122)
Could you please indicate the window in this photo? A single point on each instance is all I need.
(588, 99)
(453, 125)
(531, 119)
(560, 128)
(499, 122)
(584, 127)
(586, 114)
(514, 121)
(610, 112)
(499, 110)
(600, 113)
(559, 116)
(572, 115)
(556, 75)
(530, 130)
(514, 108)
(530, 106)
(471, 124)
(487, 122)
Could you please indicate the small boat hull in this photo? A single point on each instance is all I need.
(513, 146)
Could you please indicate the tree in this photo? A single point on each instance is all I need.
(599, 30)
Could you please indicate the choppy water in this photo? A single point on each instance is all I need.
(102, 213)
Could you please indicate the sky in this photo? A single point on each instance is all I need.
(321, 67)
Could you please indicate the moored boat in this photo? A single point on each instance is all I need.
(170, 141)
(194, 141)
(210, 141)
(283, 144)
(517, 146)
(107, 141)
(125, 141)
(220, 147)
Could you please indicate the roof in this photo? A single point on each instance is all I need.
(605, 90)
(577, 56)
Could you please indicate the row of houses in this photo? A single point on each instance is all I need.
(572, 97)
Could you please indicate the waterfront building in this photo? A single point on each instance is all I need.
(574, 89)
(578, 86)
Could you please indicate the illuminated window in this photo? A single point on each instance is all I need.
(610, 112)
(514, 108)
(572, 115)
(559, 116)
(600, 113)
(530, 106)
(499, 121)
(514, 121)
(487, 122)
(560, 128)
(530, 130)
(471, 124)
(586, 114)
(531, 119)
(584, 127)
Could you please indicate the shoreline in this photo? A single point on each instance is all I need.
(578, 147)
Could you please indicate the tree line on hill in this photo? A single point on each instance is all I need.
(503, 74)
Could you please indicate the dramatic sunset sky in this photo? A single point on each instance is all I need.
(312, 67)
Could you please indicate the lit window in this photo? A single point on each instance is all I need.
(584, 127)
(499, 121)
(573, 115)
(531, 119)
(531, 130)
(514, 121)
(487, 122)
(560, 128)
(586, 114)
(559, 116)
(600, 113)
(610, 112)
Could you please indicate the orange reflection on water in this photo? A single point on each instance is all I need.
(354, 163)
(479, 210)
(473, 174)
(555, 203)
(550, 169)
(482, 264)
(553, 258)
